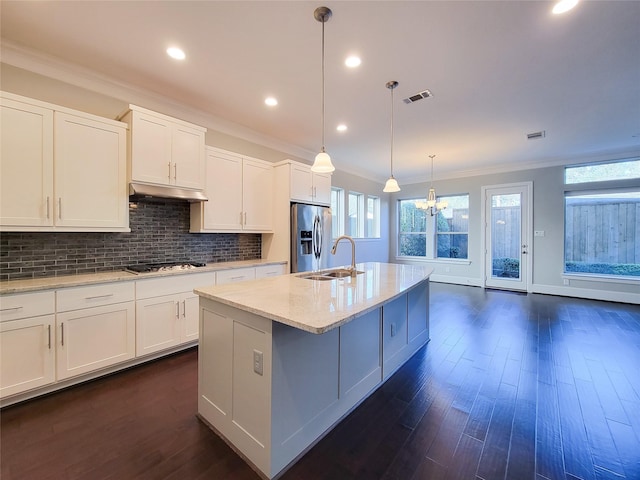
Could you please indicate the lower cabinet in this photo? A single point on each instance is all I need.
(95, 328)
(27, 354)
(167, 311)
(94, 338)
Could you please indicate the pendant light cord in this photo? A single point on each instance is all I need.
(323, 22)
(392, 131)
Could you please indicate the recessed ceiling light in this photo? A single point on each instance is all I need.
(341, 128)
(352, 61)
(271, 101)
(177, 53)
(564, 6)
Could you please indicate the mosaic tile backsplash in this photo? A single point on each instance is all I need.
(159, 233)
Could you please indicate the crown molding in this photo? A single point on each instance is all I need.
(73, 74)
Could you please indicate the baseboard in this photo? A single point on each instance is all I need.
(590, 293)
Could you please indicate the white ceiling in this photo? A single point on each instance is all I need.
(497, 70)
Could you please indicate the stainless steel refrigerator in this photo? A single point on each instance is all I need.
(310, 237)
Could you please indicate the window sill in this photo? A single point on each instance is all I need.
(587, 277)
(450, 261)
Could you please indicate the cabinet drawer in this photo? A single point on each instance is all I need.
(235, 275)
(94, 296)
(157, 287)
(24, 305)
(269, 271)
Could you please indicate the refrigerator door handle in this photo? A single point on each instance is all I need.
(317, 237)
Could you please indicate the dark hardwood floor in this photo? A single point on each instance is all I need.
(511, 386)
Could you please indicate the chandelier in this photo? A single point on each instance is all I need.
(431, 205)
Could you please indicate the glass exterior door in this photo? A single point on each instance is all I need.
(506, 234)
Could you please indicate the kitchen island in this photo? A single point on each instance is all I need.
(283, 359)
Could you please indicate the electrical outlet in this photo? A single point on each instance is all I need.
(538, 233)
(565, 281)
(257, 362)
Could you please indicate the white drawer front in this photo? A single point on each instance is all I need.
(235, 275)
(24, 305)
(269, 271)
(94, 296)
(158, 287)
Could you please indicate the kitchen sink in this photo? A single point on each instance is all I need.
(329, 274)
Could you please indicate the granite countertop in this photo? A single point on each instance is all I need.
(319, 306)
(47, 283)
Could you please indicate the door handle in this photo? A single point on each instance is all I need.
(169, 165)
(62, 334)
(177, 309)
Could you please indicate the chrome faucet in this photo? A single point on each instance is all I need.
(353, 252)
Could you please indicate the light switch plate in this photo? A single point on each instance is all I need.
(257, 362)
(539, 233)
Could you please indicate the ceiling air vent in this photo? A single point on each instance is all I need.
(418, 96)
(533, 136)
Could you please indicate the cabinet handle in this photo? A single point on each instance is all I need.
(49, 336)
(169, 177)
(99, 296)
(60, 208)
(48, 209)
(175, 172)
(10, 309)
(238, 277)
(245, 218)
(62, 334)
(184, 308)
(177, 309)
(240, 218)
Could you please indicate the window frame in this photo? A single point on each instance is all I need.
(375, 220)
(337, 212)
(429, 233)
(595, 188)
(359, 214)
(437, 232)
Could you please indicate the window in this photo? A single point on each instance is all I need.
(602, 214)
(373, 217)
(356, 206)
(602, 172)
(337, 212)
(412, 236)
(452, 228)
(443, 235)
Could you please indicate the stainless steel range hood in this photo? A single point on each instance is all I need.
(159, 191)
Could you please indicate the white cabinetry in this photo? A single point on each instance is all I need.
(61, 170)
(164, 150)
(274, 270)
(95, 327)
(27, 342)
(240, 191)
(235, 275)
(167, 311)
(309, 187)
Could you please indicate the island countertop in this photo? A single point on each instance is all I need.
(319, 306)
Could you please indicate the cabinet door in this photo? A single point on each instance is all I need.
(190, 317)
(301, 183)
(27, 354)
(223, 211)
(265, 271)
(151, 149)
(26, 164)
(90, 173)
(322, 188)
(157, 324)
(257, 194)
(187, 155)
(94, 338)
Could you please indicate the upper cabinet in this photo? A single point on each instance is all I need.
(307, 186)
(165, 150)
(240, 191)
(61, 170)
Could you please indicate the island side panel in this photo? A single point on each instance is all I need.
(418, 316)
(235, 392)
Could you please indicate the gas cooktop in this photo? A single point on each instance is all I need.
(163, 267)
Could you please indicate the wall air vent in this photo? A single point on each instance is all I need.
(534, 135)
(418, 96)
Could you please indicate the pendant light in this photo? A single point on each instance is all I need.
(322, 163)
(392, 184)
